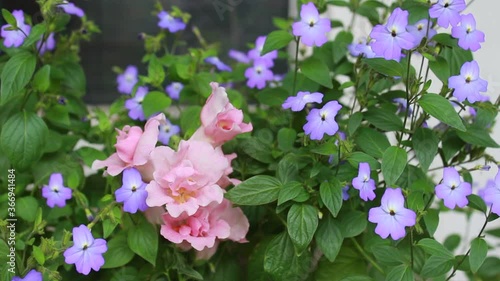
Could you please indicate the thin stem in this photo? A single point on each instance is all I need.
(468, 252)
(411, 248)
(296, 65)
(367, 257)
(99, 216)
(407, 91)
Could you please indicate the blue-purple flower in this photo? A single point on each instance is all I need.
(215, 61)
(345, 193)
(453, 190)
(361, 48)
(391, 38)
(267, 59)
(298, 102)
(469, 38)
(468, 85)
(71, 9)
(86, 252)
(364, 183)
(322, 121)
(491, 194)
(421, 30)
(239, 56)
(134, 105)
(133, 192)
(311, 28)
(167, 130)
(174, 90)
(168, 22)
(15, 38)
(48, 45)
(258, 75)
(392, 217)
(55, 192)
(402, 106)
(127, 80)
(33, 275)
(447, 12)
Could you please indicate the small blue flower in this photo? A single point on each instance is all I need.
(215, 61)
(168, 22)
(86, 252)
(133, 192)
(322, 121)
(55, 192)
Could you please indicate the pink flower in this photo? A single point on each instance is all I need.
(221, 121)
(206, 227)
(225, 180)
(133, 147)
(187, 179)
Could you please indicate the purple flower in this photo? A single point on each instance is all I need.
(491, 194)
(364, 183)
(86, 252)
(33, 275)
(452, 190)
(447, 12)
(392, 37)
(345, 193)
(133, 192)
(468, 85)
(48, 45)
(56, 193)
(15, 38)
(322, 121)
(174, 90)
(167, 130)
(419, 31)
(127, 80)
(392, 217)
(277, 81)
(134, 105)
(466, 33)
(239, 56)
(168, 22)
(267, 59)
(215, 61)
(71, 9)
(258, 74)
(311, 28)
(298, 102)
(361, 48)
(402, 105)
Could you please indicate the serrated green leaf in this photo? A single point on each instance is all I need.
(16, 74)
(257, 190)
(302, 222)
(281, 261)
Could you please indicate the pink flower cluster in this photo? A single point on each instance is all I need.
(187, 185)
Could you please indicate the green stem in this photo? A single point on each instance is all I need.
(367, 257)
(297, 41)
(407, 91)
(101, 214)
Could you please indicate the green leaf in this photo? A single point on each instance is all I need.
(9, 18)
(302, 222)
(276, 40)
(331, 195)
(387, 67)
(23, 139)
(387, 255)
(478, 253)
(287, 171)
(118, 253)
(339, 46)
(316, 70)
(41, 81)
(441, 109)
(155, 102)
(393, 164)
(26, 208)
(359, 157)
(431, 220)
(290, 191)
(452, 242)
(143, 240)
(257, 190)
(327, 149)
(354, 122)
(441, 69)
(281, 262)
(425, 143)
(90, 154)
(477, 203)
(383, 119)
(71, 76)
(156, 72)
(286, 139)
(201, 83)
(435, 248)
(58, 114)
(329, 238)
(272, 96)
(436, 266)
(188, 123)
(352, 223)
(372, 142)
(35, 35)
(16, 74)
(400, 273)
(38, 255)
(478, 136)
